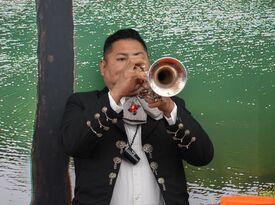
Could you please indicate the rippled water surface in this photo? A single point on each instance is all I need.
(227, 47)
(17, 98)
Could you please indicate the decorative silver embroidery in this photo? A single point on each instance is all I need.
(121, 145)
(186, 132)
(180, 127)
(162, 182)
(97, 116)
(116, 160)
(147, 148)
(193, 139)
(112, 176)
(104, 110)
(154, 166)
(114, 120)
(89, 124)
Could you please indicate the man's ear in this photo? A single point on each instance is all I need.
(102, 66)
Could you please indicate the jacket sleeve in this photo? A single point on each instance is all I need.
(84, 123)
(193, 143)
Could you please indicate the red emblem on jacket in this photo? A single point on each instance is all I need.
(133, 108)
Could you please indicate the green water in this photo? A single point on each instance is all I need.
(227, 47)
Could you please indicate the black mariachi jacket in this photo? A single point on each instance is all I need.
(94, 135)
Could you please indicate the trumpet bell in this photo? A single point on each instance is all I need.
(167, 76)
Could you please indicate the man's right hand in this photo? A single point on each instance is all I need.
(130, 79)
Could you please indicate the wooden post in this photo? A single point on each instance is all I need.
(50, 179)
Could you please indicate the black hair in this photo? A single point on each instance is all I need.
(122, 34)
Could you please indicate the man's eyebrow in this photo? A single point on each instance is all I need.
(139, 53)
(121, 54)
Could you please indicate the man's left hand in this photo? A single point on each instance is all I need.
(164, 104)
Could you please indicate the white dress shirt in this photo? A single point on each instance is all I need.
(136, 184)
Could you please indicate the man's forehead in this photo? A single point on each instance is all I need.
(127, 44)
(126, 52)
(126, 47)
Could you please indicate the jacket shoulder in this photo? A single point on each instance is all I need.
(178, 101)
(89, 95)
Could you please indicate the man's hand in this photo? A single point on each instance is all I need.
(164, 104)
(130, 80)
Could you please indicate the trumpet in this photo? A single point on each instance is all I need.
(166, 77)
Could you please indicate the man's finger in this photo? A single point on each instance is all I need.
(154, 104)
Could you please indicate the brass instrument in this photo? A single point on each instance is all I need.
(166, 77)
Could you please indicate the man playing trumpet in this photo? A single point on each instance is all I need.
(129, 150)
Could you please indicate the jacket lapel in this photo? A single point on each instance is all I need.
(148, 128)
(120, 123)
